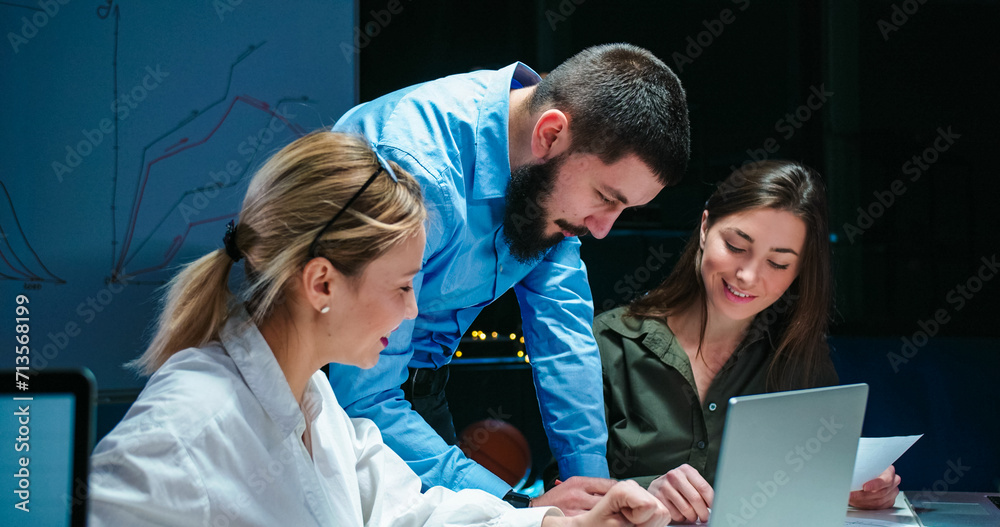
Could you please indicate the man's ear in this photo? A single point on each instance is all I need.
(551, 136)
(318, 281)
(704, 229)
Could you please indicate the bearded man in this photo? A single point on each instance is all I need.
(514, 169)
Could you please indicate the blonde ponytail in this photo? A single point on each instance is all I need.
(288, 203)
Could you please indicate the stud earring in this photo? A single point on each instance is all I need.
(325, 310)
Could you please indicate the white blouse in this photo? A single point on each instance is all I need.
(216, 439)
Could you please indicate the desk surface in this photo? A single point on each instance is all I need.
(920, 514)
(900, 514)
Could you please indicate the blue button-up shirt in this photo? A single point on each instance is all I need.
(451, 134)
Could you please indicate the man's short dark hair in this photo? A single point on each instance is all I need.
(621, 100)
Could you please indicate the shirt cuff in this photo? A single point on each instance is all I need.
(589, 465)
(534, 515)
(479, 477)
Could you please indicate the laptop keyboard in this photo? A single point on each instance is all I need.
(995, 500)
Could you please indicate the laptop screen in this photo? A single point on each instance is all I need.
(787, 457)
(40, 440)
(46, 439)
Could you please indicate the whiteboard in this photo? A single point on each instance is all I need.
(130, 130)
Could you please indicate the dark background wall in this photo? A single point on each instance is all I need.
(914, 238)
(893, 92)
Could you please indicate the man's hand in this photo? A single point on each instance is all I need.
(576, 495)
(879, 493)
(624, 504)
(685, 493)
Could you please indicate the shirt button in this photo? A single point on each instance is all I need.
(501, 268)
(712, 407)
(701, 445)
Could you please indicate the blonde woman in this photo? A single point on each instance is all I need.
(236, 425)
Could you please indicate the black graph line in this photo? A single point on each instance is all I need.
(12, 4)
(6, 239)
(238, 181)
(117, 267)
(114, 176)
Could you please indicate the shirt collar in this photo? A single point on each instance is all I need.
(657, 336)
(262, 374)
(631, 327)
(492, 145)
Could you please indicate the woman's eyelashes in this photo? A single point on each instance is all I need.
(736, 250)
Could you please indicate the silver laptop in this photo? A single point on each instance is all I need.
(787, 458)
(956, 509)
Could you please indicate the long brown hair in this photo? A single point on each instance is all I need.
(799, 320)
(288, 203)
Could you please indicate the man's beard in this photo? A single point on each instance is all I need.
(525, 218)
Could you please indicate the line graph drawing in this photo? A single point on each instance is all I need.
(130, 247)
(124, 256)
(11, 233)
(117, 266)
(28, 7)
(103, 12)
(160, 170)
(155, 176)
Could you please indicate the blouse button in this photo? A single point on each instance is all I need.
(712, 407)
(701, 445)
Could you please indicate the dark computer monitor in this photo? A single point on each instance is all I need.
(48, 433)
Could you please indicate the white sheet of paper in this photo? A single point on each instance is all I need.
(875, 454)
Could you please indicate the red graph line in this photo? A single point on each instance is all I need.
(178, 241)
(32, 276)
(175, 145)
(133, 219)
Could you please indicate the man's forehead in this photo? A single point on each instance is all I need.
(631, 181)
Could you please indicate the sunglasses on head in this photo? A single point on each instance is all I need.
(383, 166)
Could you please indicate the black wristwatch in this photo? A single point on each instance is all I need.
(519, 501)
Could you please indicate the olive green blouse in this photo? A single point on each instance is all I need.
(655, 420)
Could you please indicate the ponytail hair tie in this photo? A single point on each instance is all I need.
(229, 240)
